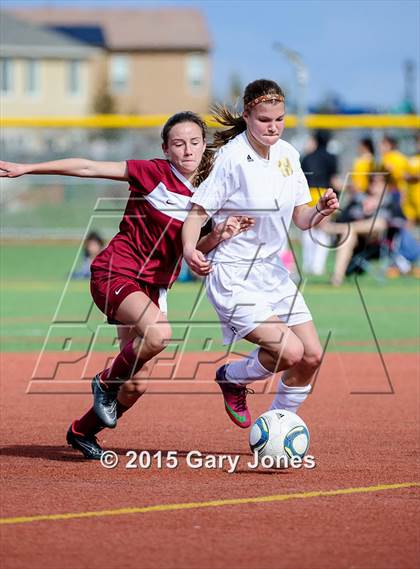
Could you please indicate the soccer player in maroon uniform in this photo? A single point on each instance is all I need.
(130, 277)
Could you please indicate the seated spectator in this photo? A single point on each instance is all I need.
(92, 246)
(366, 215)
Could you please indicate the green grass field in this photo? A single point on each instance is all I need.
(34, 276)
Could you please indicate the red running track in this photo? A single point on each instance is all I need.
(367, 440)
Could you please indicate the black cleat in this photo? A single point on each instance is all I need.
(104, 403)
(87, 444)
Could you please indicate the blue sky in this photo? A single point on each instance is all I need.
(353, 48)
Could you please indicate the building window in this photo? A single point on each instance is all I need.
(6, 76)
(31, 77)
(196, 71)
(119, 69)
(74, 77)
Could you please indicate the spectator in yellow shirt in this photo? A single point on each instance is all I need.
(394, 162)
(364, 165)
(412, 205)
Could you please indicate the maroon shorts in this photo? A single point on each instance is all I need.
(109, 290)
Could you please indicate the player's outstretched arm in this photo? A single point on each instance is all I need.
(78, 167)
(306, 217)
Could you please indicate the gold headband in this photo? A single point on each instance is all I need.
(264, 99)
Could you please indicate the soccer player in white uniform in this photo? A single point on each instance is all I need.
(257, 174)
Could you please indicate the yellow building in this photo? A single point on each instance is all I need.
(156, 60)
(43, 72)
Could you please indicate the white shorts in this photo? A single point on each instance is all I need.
(245, 296)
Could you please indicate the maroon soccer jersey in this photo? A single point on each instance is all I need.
(148, 245)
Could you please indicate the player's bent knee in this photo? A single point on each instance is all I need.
(134, 386)
(313, 359)
(292, 354)
(138, 385)
(157, 338)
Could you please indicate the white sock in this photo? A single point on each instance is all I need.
(247, 369)
(289, 398)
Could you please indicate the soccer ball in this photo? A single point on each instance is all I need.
(279, 437)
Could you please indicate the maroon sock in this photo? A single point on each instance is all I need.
(89, 424)
(125, 365)
(121, 409)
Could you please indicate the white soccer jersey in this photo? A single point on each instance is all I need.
(244, 183)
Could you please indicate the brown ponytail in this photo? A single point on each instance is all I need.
(205, 167)
(261, 90)
(226, 117)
